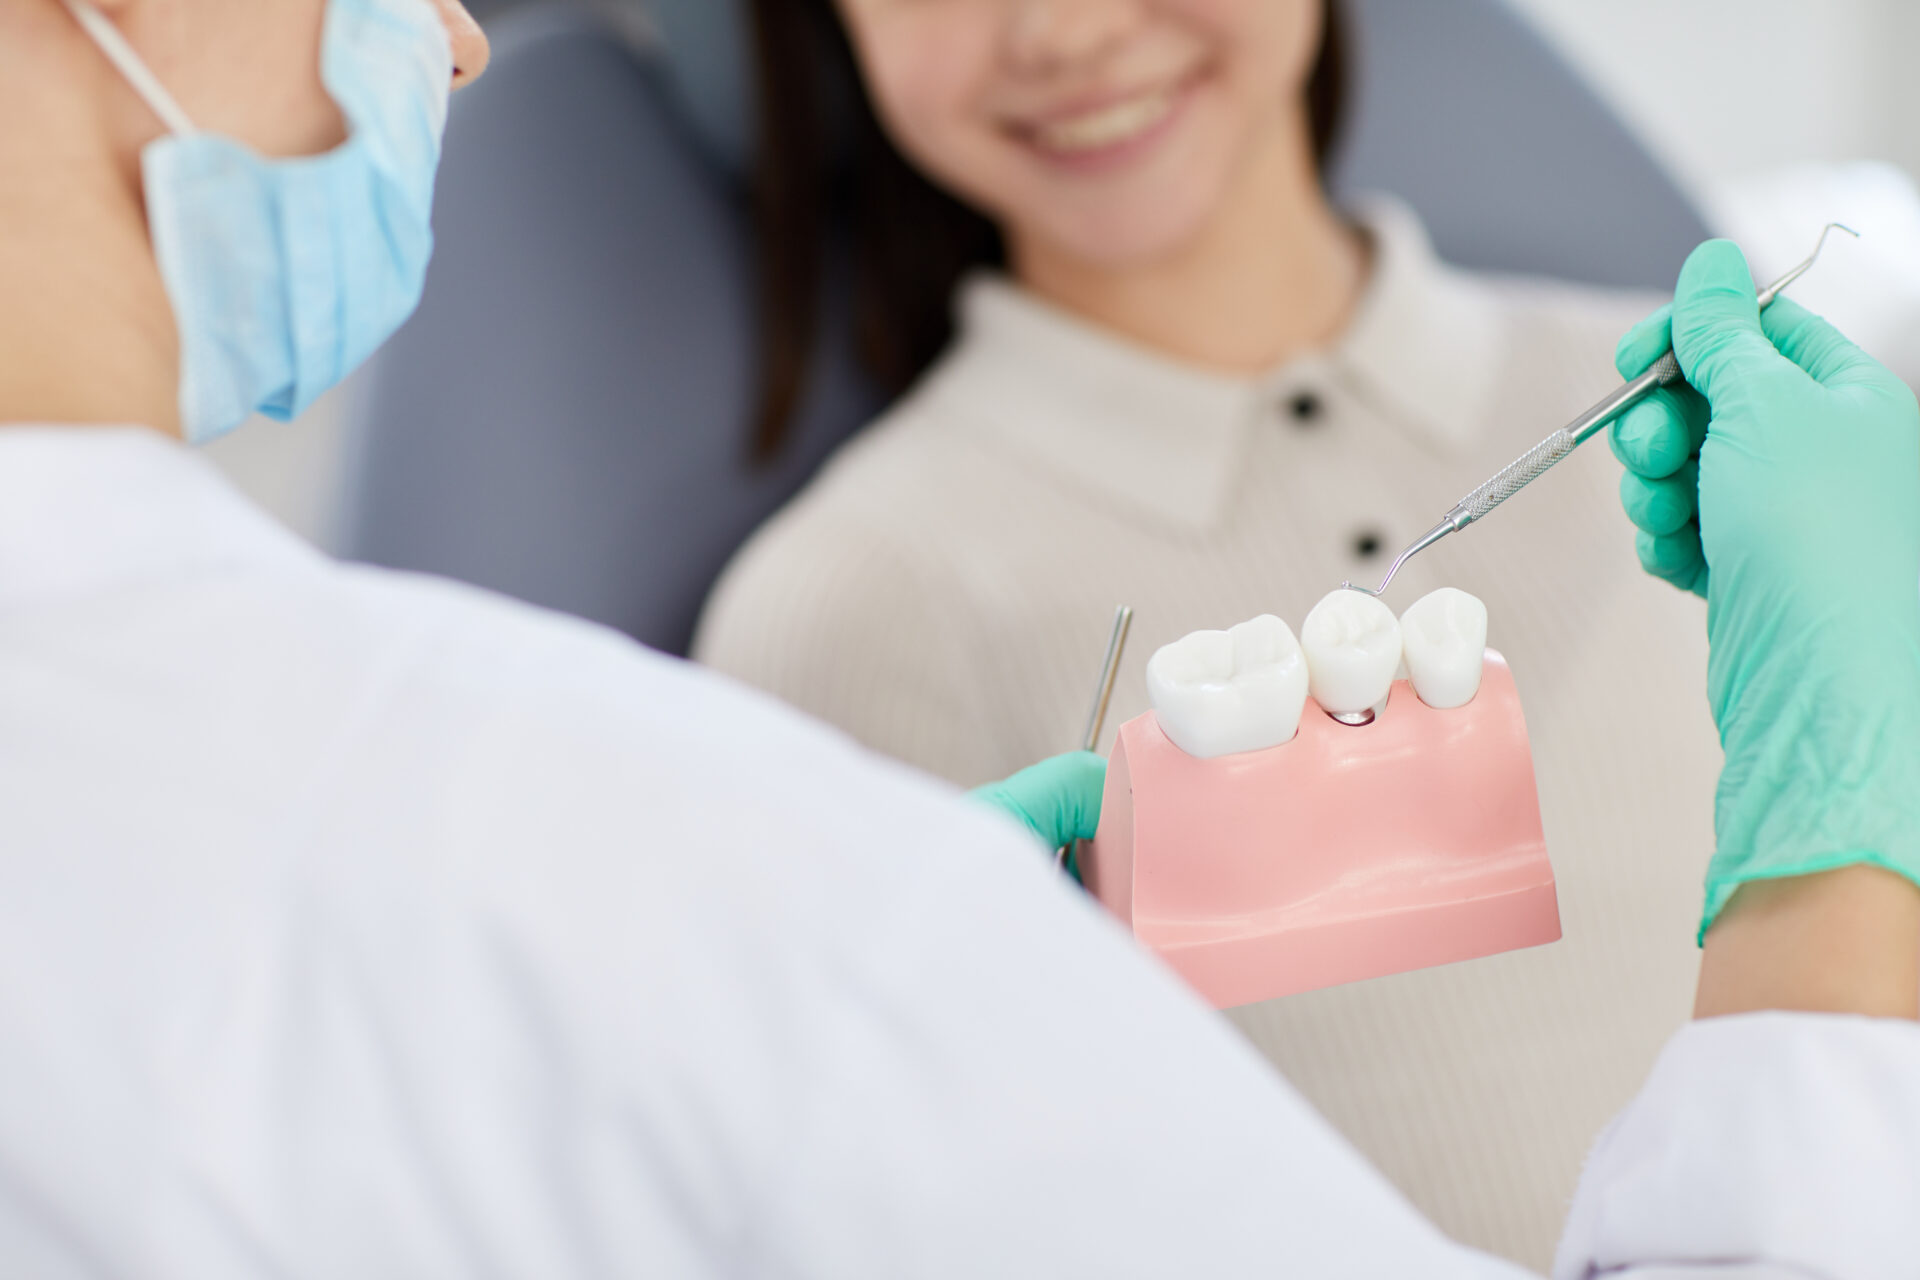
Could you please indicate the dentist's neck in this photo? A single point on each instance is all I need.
(1272, 274)
(86, 331)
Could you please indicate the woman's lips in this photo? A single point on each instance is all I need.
(1109, 133)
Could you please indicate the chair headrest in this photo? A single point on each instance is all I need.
(708, 63)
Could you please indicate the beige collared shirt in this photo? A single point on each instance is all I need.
(943, 592)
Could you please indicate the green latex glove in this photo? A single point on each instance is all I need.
(1058, 799)
(1784, 486)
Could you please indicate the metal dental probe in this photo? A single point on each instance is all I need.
(1535, 462)
(1102, 697)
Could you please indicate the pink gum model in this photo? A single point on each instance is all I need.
(1346, 853)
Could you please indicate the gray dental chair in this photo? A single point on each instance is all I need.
(565, 419)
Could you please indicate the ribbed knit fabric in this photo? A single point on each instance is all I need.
(943, 592)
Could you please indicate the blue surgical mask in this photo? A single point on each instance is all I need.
(286, 274)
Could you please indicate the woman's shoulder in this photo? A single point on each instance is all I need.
(903, 487)
(852, 530)
(848, 605)
(888, 471)
(861, 541)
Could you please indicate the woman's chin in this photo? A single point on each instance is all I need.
(1147, 218)
(1115, 238)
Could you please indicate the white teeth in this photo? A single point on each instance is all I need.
(1218, 692)
(1352, 643)
(1445, 635)
(1108, 126)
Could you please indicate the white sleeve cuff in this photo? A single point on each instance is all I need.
(1783, 1142)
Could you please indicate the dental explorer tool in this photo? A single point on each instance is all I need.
(1102, 697)
(1535, 462)
(1109, 671)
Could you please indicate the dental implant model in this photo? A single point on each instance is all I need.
(1355, 643)
(1291, 816)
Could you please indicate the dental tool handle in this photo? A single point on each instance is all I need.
(1537, 461)
(1513, 477)
(1109, 671)
(1664, 372)
(1068, 855)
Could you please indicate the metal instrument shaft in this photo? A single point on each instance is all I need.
(1102, 698)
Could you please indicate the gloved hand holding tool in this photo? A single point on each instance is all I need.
(1058, 799)
(1783, 484)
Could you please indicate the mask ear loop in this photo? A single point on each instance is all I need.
(121, 55)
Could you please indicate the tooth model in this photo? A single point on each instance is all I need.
(1352, 642)
(1228, 691)
(1264, 847)
(1442, 636)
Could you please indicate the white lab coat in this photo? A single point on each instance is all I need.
(360, 925)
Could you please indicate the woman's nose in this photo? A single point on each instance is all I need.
(470, 48)
(1051, 33)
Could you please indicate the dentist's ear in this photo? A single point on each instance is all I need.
(470, 49)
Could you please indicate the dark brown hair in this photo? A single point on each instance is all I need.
(911, 242)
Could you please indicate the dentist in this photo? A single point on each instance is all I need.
(354, 924)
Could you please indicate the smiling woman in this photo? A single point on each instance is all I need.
(1146, 360)
(914, 241)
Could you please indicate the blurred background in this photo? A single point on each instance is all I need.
(1766, 112)
(1723, 89)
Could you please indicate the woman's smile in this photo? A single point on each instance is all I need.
(1108, 132)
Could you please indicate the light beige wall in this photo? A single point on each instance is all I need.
(1724, 88)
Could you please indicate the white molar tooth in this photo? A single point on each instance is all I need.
(1220, 692)
(1445, 635)
(1352, 643)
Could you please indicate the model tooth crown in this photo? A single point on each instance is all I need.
(1219, 692)
(1445, 637)
(1352, 642)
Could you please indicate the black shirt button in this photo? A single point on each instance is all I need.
(1305, 408)
(1367, 543)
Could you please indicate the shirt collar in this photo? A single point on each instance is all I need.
(86, 508)
(1422, 350)
(1425, 343)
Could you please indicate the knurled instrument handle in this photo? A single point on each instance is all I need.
(1515, 476)
(1530, 465)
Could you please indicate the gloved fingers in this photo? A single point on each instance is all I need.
(1664, 506)
(1716, 321)
(1646, 342)
(1815, 345)
(1058, 799)
(1675, 557)
(1656, 437)
(1082, 782)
